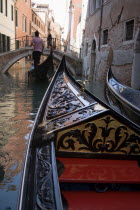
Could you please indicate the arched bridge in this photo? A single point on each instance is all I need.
(20, 47)
(7, 59)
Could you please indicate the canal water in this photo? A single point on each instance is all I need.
(19, 103)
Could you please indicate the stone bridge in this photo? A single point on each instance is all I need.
(7, 59)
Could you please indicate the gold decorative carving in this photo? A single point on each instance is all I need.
(104, 135)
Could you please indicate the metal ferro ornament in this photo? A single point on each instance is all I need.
(83, 85)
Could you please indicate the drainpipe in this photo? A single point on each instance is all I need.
(100, 27)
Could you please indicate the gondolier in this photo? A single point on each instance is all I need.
(49, 41)
(43, 71)
(38, 45)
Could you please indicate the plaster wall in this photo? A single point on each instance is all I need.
(7, 25)
(114, 16)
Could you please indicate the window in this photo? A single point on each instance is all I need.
(129, 30)
(6, 11)
(86, 50)
(88, 9)
(8, 43)
(93, 45)
(32, 17)
(16, 17)
(12, 12)
(105, 36)
(98, 4)
(1, 6)
(79, 18)
(3, 43)
(17, 44)
(24, 24)
(105, 1)
(30, 26)
(93, 5)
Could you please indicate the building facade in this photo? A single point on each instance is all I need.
(7, 25)
(37, 24)
(23, 22)
(41, 11)
(74, 19)
(50, 26)
(58, 37)
(81, 29)
(110, 24)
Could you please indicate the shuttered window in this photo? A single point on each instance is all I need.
(8, 43)
(1, 6)
(12, 12)
(129, 30)
(16, 17)
(6, 9)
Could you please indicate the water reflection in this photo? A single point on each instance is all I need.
(19, 102)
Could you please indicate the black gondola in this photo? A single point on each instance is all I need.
(79, 147)
(126, 97)
(44, 71)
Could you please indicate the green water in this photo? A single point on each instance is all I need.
(19, 103)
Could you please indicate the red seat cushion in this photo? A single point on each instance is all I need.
(99, 171)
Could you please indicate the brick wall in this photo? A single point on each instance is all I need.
(23, 9)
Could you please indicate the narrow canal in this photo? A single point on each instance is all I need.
(19, 102)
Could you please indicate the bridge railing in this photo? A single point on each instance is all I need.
(7, 44)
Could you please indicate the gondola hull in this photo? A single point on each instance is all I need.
(124, 97)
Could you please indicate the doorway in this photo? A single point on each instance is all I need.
(92, 59)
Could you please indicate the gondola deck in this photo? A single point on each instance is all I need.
(75, 139)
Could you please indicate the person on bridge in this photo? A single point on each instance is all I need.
(49, 41)
(38, 45)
